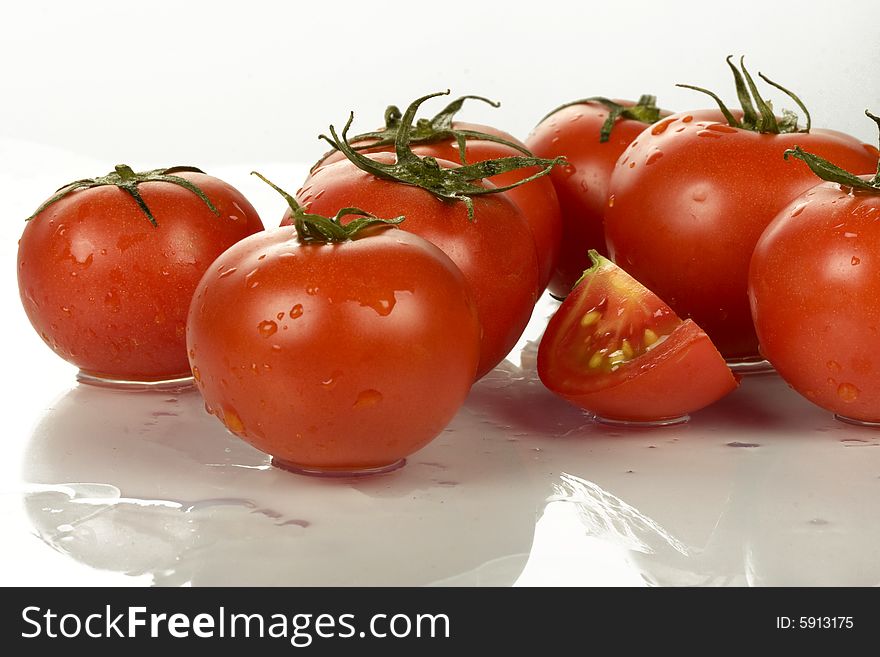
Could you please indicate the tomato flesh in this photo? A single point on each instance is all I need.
(615, 349)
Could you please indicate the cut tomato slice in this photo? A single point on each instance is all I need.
(616, 349)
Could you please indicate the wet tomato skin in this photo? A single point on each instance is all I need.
(673, 373)
(495, 251)
(537, 199)
(814, 288)
(582, 185)
(344, 356)
(108, 291)
(688, 201)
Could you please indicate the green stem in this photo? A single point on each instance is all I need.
(127, 180)
(318, 229)
(453, 184)
(763, 119)
(833, 173)
(427, 131)
(645, 110)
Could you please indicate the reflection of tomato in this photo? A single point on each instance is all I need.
(814, 285)
(107, 290)
(581, 185)
(616, 349)
(688, 201)
(536, 199)
(331, 357)
(495, 251)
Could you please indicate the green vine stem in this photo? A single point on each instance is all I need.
(454, 184)
(127, 180)
(761, 119)
(645, 110)
(833, 173)
(428, 131)
(318, 229)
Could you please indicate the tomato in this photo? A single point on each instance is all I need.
(495, 250)
(537, 199)
(334, 357)
(575, 131)
(690, 197)
(107, 290)
(814, 287)
(615, 349)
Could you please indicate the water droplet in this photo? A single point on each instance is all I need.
(660, 128)
(232, 421)
(653, 157)
(632, 165)
(65, 310)
(331, 380)
(699, 195)
(721, 127)
(555, 140)
(296, 311)
(855, 261)
(381, 306)
(848, 392)
(687, 119)
(796, 210)
(833, 365)
(267, 328)
(745, 445)
(584, 186)
(312, 290)
(367, 398)
(228, 272)
(262, 257)
(611, 201)
(197, 375)
(276, 347)
(850, 235)
(709, 133)
(249, 278)
(320, 194)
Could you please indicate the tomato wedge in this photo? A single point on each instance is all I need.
(616, 349)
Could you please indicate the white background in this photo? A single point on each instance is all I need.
(156, 83)
(229, 86)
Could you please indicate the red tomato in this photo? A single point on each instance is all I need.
(814, 287)
(688, 201)
(495, 251)
(615, 349)
(334, 357)
(108, 291)
(536, 199)
(582, 186)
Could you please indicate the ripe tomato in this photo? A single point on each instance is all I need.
(575, 131)
(495, 251)
(814, 287)
(536, 199)
(108, 291)
(334, 358)
(615, 349)
(690, 197)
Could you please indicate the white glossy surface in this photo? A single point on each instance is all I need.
(115, 488)
(521, 489)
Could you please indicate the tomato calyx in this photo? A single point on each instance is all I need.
(127, 180)
(763, 119)
(318, 229)
(428, 131)
(454, 184)
(833, 173)
(645, 110)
